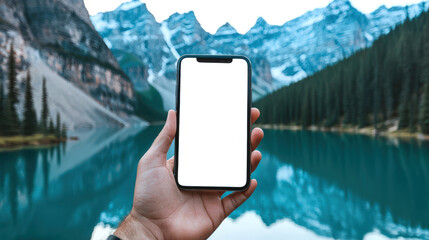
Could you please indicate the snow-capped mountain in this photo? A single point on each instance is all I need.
(280, 55)
(185, 33)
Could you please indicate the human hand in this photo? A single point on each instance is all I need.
(162, 211)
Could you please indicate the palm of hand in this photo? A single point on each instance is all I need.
(183, 214)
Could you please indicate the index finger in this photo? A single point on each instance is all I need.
(254, 115)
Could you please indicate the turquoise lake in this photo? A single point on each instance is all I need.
(311, 185)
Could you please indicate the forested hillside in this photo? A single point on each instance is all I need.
(384, 86)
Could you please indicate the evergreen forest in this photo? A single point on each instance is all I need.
(379, 86)
(10, 122)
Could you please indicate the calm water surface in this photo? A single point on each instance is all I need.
(311, 185)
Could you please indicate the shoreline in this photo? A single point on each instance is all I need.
(369, 131)
(12, 143)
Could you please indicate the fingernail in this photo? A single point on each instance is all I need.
(169, 113)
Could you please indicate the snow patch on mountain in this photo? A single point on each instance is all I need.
(100, 24)
(278, 74)
(167, 36)
(107, 42)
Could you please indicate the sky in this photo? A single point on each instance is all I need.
(241, 14)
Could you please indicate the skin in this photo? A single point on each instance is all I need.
(162, 211)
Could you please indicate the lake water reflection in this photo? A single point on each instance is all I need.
(310, 185)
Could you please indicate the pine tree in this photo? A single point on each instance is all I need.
(328, 106)
(424, 109)
(414, 86)
(11, 68)
(305, 122)
(353, 102)
(334, 106)
(45, 111)
(347, 102)
(30, 118)
(413, 114)
(7, 121)
(51, 128)
(11, 115)
(376, 108)
(313, 107)
(336, 112)
(387, 88)
(424, 112)
(58, 126)
(404, 108)
(321, 110)
(362, 96)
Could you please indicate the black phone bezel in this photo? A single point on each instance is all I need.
(221, 59)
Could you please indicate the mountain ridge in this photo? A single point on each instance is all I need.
(287, 53)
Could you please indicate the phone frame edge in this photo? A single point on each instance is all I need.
(249, 106)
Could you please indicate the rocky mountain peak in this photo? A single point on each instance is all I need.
(226, 29)
(190, 15)
(340, 3)
(261, 22)
(381, 8)
(78, 7)
(181, 18)
(338, 7)
(260, 26)
(184, 28)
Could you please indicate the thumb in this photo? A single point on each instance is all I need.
(163, 142)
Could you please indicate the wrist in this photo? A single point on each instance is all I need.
(138, 227)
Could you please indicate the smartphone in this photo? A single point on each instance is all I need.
(212, 144)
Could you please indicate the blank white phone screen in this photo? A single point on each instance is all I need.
(212, 149)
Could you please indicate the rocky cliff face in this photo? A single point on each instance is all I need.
(10, 18)
(54, 25)
(60, 33)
